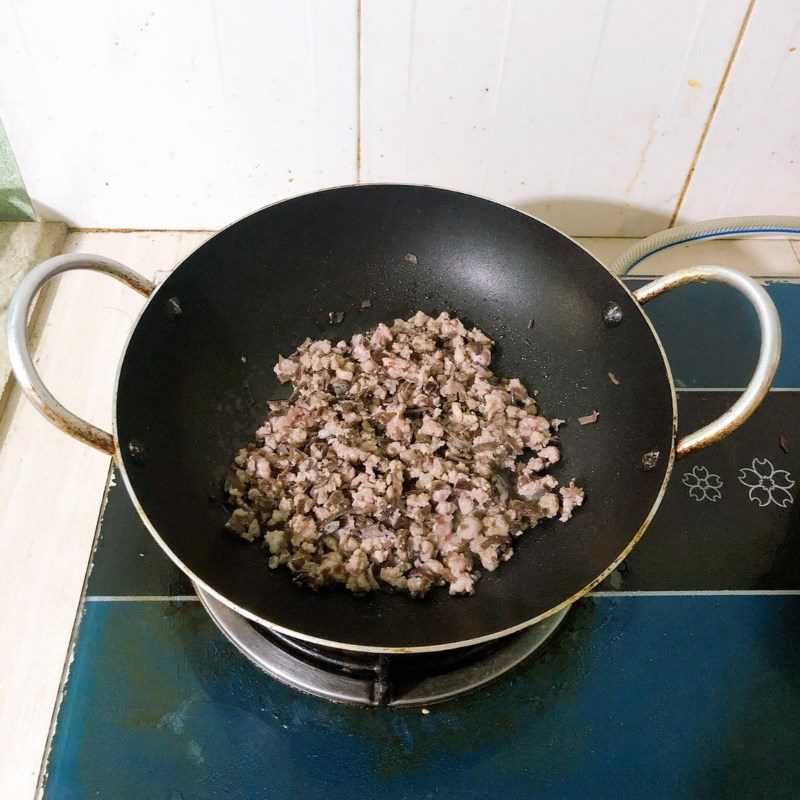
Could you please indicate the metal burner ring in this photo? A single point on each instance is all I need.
(285, 666)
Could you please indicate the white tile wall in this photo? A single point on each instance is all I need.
(588, 113)
(180, 114)
(750, 163)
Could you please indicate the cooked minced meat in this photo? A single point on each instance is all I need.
(400, 460)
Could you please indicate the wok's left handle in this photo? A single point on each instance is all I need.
(768, 356)
(19, 347)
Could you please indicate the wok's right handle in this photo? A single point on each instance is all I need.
(19, 347)
(768, 356)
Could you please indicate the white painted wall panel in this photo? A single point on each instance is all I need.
(585, 113)
(180, 114)
(750, 161)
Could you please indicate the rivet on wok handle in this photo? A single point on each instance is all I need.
(19, 349)
(138, 452)
(612, 315)
(768, 357)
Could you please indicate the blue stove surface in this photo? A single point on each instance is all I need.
(680, 678)
(637, 696)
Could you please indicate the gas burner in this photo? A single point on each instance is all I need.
(374, 679)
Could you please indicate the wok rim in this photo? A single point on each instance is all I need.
(118, 459)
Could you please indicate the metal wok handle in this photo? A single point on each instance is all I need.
(768, 356)
(19, 349)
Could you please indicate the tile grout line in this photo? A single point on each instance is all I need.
(358, 91)
(712, 113)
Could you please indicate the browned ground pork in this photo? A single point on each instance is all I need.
(400, 460)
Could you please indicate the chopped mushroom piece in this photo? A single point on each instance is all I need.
(400, 461)
(613, 378)
(411, 258)
(589, 418)
(335, 317)
(649, 460)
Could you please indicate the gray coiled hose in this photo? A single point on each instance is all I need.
(710, 229)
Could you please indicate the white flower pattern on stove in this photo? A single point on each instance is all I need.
(767, 484)
(703, 485)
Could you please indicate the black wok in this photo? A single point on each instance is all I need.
(196, 375)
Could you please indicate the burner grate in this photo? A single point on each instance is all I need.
(376, 679)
